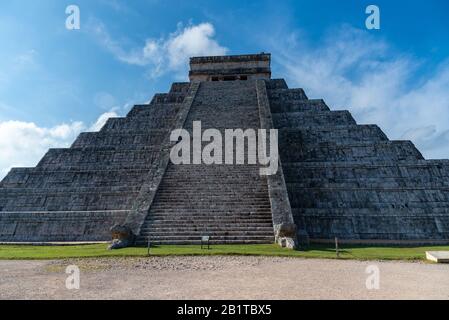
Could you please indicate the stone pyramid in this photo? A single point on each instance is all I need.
(336, 178)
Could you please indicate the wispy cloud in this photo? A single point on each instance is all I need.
(164, 54)
(102, 120)
(105, 101)
(13, 67)
(24, 143)
(352, 69)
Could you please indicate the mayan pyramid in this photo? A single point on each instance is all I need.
(337, 178)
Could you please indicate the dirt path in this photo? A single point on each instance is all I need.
(222, 278)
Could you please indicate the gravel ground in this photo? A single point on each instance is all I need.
(221, 277)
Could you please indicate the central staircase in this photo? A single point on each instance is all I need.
(228, 203)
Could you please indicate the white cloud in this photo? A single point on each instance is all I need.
(191, 41)
(102, 120)
(166, 53)
(352, 69)
(25, 59)
(22, 144)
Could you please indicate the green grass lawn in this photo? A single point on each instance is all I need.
(8, 252)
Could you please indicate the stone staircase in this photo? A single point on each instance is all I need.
(228, 203)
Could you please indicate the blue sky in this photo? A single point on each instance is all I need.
(55, 82)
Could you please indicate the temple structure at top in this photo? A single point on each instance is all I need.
(230, 68)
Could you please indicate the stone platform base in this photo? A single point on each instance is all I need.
(75, 243)
(382, 242)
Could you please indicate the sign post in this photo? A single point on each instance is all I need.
(205, 240)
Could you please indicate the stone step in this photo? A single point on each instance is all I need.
(213, 197)
(397, 211)
(215, 213)
(191, 177)
(231, 168)
(68, 179)
(373, 183)
(58, 226)
(214, 189)
(205, 210)
(368, 198)
(312, 118)
(175, 214)
(276, 84)
(210, 228)
(209, 203)
(211, 219)
(62, 158)
(225, 224)
(137, 124)
(64, 204)
(205, 176)
(72, 189)
(422, 163)
(222, 170)
(218, 221)
(212, 233)
(214, 194)
(267, 238)
(248, 229)
(144, 242)
(180, 87)
(216, 179)
(213, 210)
(337, 134)
(90, 166)
(214, 184)
(350, 152)
(154, 110)
(287, 94)
(209, 206)
(298, 106)
(168, 98)
(216, 197)
(127, 138)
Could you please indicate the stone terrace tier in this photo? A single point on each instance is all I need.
(79, 193)
(350, 181)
